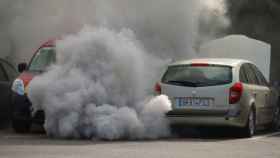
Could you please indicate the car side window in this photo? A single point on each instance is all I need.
(255, 76)
(250, 75)
(11, 71)
(263, 78)
(3, 76)
(260, 76)
(242, 75)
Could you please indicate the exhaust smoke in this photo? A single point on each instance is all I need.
(101, 85)
(163, 26)
(99, 88)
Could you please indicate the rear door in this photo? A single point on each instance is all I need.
(258, 92)
(269, 100)
(198, 87)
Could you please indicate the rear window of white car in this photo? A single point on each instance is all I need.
(198, 76)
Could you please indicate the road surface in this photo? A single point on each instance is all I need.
(38, 145)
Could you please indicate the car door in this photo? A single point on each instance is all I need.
(263, 93)
(4, 95)
(270, 98)
(254, 92)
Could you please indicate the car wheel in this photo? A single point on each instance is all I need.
(250, 127)
(21, 126)
(276, 119)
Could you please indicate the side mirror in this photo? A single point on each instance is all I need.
(22, 67)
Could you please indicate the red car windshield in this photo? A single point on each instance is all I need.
(43, 59)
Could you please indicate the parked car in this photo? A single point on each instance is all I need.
(22, 117)
(220, 92)
(7, 74)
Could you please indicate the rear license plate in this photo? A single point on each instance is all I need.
(187, 101)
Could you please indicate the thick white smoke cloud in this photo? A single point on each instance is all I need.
(212, 21)
(163, 26)
(99, 88)
(102, 83)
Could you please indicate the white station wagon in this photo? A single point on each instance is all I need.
(219, 92)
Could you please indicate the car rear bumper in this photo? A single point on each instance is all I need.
(207, 119)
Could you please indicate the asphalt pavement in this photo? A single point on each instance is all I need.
(38, 145)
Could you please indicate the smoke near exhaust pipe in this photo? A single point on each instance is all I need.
(101, 85)
(100, 88)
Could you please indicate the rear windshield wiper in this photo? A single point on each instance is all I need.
(183, 83)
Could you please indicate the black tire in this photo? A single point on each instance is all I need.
(250, 129)
(276, 119)
(21, 126)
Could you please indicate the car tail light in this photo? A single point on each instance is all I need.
(235, 93)
(200, 64)
(157, 88)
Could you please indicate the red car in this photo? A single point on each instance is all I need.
(22, 107)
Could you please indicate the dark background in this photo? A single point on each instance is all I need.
(258, 19)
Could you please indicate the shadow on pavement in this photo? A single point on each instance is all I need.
(208, 134)
(38, 137)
